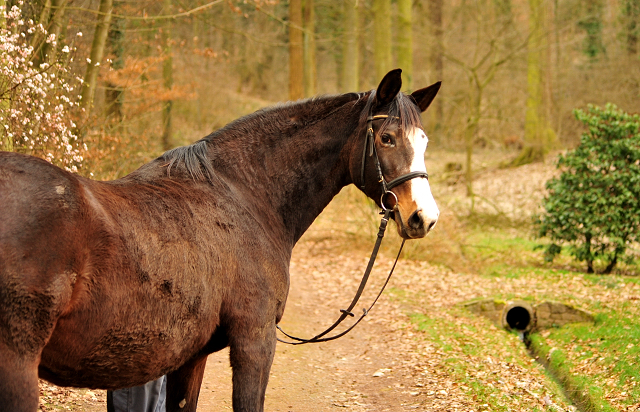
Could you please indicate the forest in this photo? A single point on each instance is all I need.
(143, 76)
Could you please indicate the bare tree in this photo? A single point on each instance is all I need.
(97, 53)
(296, 55)
(309, 35)
(350, 49)
(382, 37)
(437, 54)
(405, 42)
(167, 75)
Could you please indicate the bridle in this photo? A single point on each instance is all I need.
(369, 143)
(370, 147)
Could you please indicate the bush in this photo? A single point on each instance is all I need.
(36, 100)
(594, 205)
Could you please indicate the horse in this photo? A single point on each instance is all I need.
(111, 284)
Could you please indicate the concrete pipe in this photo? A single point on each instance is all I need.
(518, 315)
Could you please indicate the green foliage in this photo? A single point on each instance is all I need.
(594, 205)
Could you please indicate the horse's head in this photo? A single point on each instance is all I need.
(389, 166)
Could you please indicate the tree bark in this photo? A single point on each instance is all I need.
(437, 58)
(382, 37)
(114, 94)
(405, 42)
(55, 24)
(296, 59)
(6, 140)
(611, 264)
(631, 25)
(588, 254)
(537, 133)
(310, 63)
(97, 52)
(350, 49)
(167, 76)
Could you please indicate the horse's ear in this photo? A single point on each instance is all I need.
(389, 87)
(424, 97)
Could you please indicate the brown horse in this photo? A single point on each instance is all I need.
(113, 284)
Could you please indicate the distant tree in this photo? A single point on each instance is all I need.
(350, 49)
(593, 205)
(481, 68)
(538, 135)
(437, 53)
(114, 93)
(167, 75)
(95, 58)
(630, 15)
(591, 23)
(405, 42)
(382, 37)
(309, 39)
(296, 54)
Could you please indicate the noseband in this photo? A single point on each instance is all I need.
(369, 145)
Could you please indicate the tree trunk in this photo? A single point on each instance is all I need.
(536, 128)
(55, 24)
(471, 132)
(591, 23)
(405, 42)
(97, 52)
(6, 140)
(114, 94)
(611, 264)
(382, 37)
(167, 75)
(588, 254)
(437, 58)
(310, 64)
(631, 25)
(296, 59)
(350, 49)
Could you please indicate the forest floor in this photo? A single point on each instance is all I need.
(419, 348)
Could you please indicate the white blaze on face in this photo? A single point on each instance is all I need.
(420, 189)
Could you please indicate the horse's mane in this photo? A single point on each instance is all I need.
(195, 157)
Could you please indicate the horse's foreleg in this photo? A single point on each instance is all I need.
(251, 357)
(183, 386)
(18, 381)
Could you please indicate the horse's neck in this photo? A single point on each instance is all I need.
(298, 172)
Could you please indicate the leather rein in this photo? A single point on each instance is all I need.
(370, 148)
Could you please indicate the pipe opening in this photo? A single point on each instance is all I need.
(518, 318)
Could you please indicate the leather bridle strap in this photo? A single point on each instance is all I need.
(347, 312)
(404, 178)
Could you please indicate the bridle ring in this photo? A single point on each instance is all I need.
(382, 199)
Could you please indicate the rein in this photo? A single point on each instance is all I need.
(369, 146)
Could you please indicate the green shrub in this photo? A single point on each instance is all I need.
(594, 205)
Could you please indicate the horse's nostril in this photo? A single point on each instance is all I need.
(431, 225)
(415, 220)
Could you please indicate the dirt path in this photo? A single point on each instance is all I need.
(371, 369)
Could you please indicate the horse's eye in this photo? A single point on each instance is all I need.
(386, 139)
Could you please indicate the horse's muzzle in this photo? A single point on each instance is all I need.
(416, 226)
